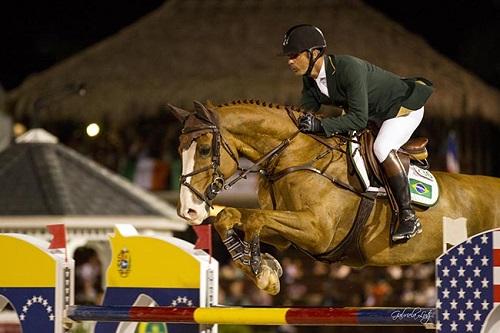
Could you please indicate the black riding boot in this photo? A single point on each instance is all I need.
(408, 224)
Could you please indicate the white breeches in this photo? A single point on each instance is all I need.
(395, 132)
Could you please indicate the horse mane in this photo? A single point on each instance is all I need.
(260, 103)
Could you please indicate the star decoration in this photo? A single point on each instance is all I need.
(34, 301)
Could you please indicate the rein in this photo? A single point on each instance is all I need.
(271, 158)
(276, 150)
(218, 181)
(272, 177)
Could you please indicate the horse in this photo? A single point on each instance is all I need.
(304, 194)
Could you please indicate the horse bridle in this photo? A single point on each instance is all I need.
(219, 182)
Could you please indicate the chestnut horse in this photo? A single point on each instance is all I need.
(310, 207)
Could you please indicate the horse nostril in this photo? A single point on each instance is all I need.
(192, 213)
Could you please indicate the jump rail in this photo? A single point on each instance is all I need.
(467, 300)
(317, 316)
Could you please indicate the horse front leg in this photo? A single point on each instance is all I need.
(225, 224)
(278, 228)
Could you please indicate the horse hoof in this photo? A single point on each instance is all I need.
(268, 281)
(272, 263)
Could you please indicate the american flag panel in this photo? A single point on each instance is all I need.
(468, 283)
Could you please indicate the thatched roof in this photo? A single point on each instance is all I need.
(225, 50)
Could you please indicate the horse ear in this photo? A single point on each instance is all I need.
(179, 113)
(202, 111)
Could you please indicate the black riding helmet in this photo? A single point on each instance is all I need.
(304, 37)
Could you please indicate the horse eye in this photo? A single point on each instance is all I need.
(204, 150)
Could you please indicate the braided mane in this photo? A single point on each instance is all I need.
(260, 103)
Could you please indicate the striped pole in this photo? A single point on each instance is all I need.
(318, 316)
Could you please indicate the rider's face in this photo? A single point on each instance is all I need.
(298, 63)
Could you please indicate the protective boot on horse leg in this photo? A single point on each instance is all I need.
(408, 223)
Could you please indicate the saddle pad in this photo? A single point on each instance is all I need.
(424, 188)
(358, 163)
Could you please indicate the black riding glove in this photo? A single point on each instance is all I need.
(308, 123)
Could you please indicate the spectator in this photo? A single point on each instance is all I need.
(88, 277)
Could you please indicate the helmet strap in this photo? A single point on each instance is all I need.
(312, 60)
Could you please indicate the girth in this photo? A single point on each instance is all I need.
(350, 246)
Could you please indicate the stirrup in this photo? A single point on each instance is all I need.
(404, 237)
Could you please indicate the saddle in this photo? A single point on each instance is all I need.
(414, 150)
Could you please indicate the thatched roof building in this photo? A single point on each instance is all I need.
(225, 50)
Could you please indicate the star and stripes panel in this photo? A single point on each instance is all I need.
(468, 283)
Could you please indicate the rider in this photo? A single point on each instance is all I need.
(366, 93)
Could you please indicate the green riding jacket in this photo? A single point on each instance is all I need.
(365, 92)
